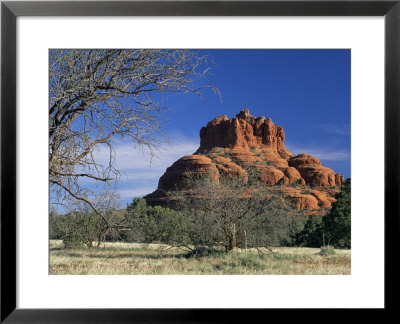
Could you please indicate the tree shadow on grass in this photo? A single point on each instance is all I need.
(137, 256)
(56, 249)
(74, 255)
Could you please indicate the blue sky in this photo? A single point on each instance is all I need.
(307, 92)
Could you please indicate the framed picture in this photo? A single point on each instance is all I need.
(368, 36)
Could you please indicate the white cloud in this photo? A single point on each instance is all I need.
(344, 130)
(128, 157)
(139, 172)
(128, 194)
(323, 153)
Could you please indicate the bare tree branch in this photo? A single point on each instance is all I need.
(96, 95)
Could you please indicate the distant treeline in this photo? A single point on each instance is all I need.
(234, 214)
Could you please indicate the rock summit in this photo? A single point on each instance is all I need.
(230, 145)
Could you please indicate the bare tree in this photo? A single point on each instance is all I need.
(96, 95)
(80, 224)
(234, 212)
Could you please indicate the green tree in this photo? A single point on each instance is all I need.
(295, 228)
(311, 235)
(337, 223)
(334, 228)
(80, 224)
(156, 224)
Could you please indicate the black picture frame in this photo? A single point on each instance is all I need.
(10, 10)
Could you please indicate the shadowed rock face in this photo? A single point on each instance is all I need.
(228, 146)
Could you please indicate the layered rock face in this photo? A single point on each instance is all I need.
(243, 132)
(230, 146)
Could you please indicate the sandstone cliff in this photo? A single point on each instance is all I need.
(229, 145)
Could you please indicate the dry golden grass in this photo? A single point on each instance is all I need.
(131, 258)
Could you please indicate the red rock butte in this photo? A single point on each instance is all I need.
(230, 145)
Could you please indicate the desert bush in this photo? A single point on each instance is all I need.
(216, 149)
(86, 227)
(156, 224)
(73, 241)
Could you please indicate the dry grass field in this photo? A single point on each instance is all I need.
(131, 258)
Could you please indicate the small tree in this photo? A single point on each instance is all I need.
(135, 216)
(156, 224)
(80, 224)
(233, 211)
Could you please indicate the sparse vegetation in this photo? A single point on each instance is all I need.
(231, 236)
(233, 221)
(297, 184)
(280, 182)
(235, 212)
(236, 161)
(81, 225)
(217, 150)
(134, 258)
(270, 163)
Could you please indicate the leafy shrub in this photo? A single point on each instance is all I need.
(85, 226)
(165, 225)
(216, 149)
(73, 241)
(156, 224)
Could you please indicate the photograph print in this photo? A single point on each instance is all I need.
(200, 162)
